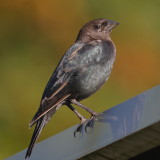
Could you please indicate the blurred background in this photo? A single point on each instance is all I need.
(35, 34)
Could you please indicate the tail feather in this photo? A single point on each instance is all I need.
(40, 123)
(39, 126)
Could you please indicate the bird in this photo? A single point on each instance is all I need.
(83, 69)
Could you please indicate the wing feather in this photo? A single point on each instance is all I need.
(40, 113)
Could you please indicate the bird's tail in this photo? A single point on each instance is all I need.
(40, 123)
(39, 126)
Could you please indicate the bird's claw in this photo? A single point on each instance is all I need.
(79, 131)
(88, 127)
(90, 124)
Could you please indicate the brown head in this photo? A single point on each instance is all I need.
(98, 29)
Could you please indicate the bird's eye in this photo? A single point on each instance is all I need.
(104, 23)
(96, 26)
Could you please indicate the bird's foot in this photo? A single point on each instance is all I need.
(78, 134)
(90, 124)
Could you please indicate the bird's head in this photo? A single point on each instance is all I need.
(98, 29)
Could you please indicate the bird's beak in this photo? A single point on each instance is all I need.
(111, 25)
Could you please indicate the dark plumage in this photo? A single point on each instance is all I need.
(83, 69)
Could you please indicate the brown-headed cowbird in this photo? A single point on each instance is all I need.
(83, 69)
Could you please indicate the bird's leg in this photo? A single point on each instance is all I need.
(82, 119)
(93, 113)
(90, 123)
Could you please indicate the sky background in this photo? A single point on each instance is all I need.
(35, 34)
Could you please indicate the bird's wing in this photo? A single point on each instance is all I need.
(55, 91)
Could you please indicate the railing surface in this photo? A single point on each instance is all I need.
(121, 121)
